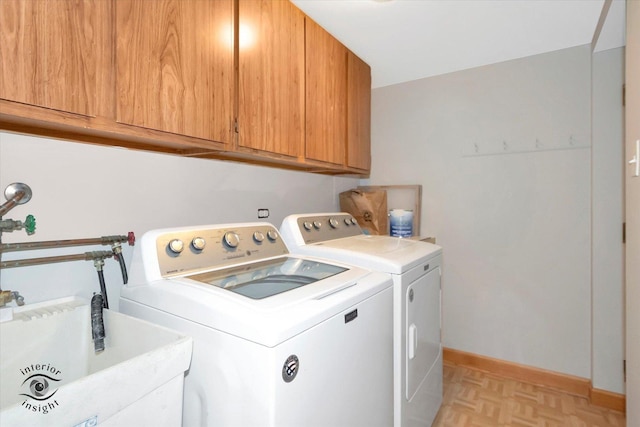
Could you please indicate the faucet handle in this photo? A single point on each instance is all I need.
(8, 225)
(30, 224)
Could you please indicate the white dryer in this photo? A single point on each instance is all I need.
(415, 267)
(279, 339)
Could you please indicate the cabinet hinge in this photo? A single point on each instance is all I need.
(235, 125)
(624, 232)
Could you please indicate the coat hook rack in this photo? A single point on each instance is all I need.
(532, 145)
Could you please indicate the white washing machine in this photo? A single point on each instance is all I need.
(415, 267)
(279, 339)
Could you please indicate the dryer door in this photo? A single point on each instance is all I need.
(422, 308)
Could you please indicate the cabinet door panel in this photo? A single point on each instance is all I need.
(271, 77)
(359, 113)
(326, 96)
(48, 53)
(175, 66)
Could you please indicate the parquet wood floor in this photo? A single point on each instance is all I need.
(479, 399)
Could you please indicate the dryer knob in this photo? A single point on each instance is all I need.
(175, 246)
(258, 237)
(231, 239)
(307, 225)
(347, 222)
(317, 225)
(272, 235)
(333, 222)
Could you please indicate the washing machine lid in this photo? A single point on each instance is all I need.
(268, 278)
(264, 319)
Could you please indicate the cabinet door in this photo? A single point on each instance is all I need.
(326, 96)
(271, 77)
(48, 52)
(358, 113)
(174, 63)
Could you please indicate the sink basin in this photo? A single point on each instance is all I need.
(51, 375)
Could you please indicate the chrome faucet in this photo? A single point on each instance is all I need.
(16, 194)
(7, 296)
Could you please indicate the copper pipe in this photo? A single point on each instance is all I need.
(87, 256)
(27, 246)
(11, 203)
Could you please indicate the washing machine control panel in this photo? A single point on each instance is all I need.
(314, 229)
(187, 251)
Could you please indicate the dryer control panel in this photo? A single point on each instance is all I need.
(320, 228)
(185, 251)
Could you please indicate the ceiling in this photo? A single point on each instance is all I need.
(405, 40)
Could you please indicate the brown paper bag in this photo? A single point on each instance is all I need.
(369, 208)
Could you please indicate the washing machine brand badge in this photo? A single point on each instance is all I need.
(290, 368)
(38, 387)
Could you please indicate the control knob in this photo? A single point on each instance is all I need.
(198, 243)
(258, 237)
(307, 225)
(317, 225)
(272, 235)
(175, 246)
(333, 222)
(231, 239)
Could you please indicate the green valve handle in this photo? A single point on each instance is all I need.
(30, 224)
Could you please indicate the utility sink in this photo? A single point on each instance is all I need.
(51, 375)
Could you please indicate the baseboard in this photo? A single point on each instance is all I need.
(567, 383)
(608, 399)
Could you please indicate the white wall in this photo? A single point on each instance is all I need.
(83, 191)
(516, 228)
(512, 214)
(607, 209)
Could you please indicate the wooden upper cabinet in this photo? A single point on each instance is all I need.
(175, 68)
(326, 96)
(271, 77)
(174, 75)
(358, 113)
(49, 53)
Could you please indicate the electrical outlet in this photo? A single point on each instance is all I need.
(263, 213)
